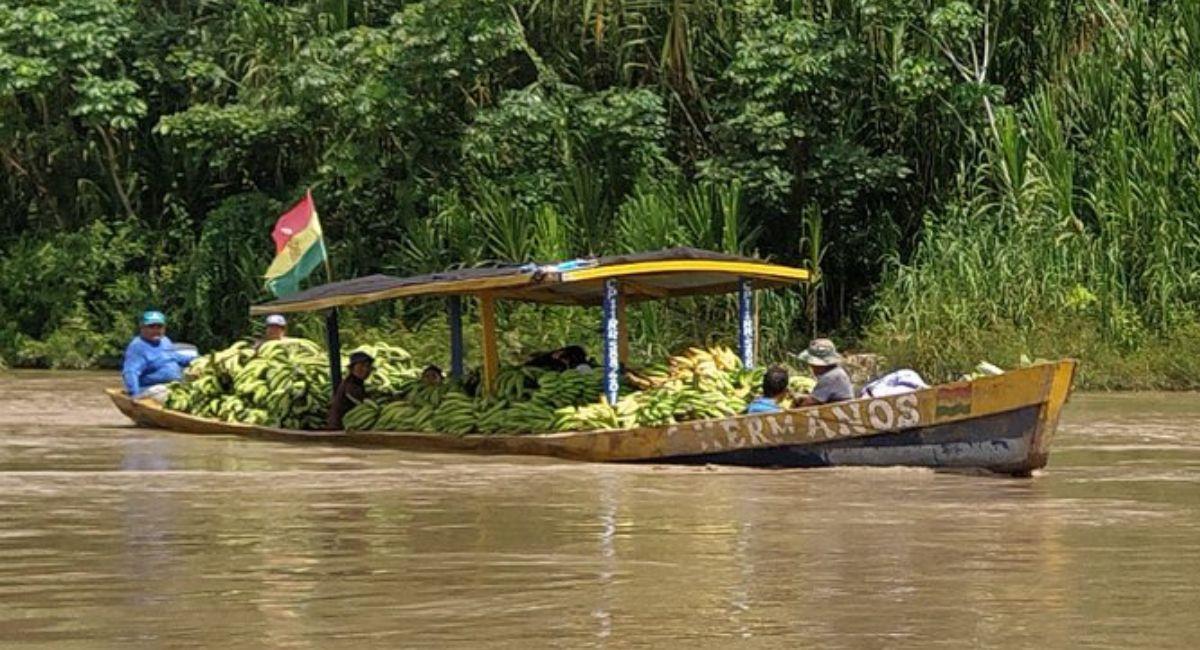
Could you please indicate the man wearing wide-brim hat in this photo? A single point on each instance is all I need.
(833, 384)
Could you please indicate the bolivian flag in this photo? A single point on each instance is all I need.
(299, 247)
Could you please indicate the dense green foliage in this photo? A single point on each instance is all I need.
(962, 173)
(1075, 230)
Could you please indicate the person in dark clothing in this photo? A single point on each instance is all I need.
(547, 361)
(352, 391)
(560, 360)
(576, 357)
(432, 375)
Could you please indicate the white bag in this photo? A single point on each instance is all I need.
(895, 383)
(157, 393)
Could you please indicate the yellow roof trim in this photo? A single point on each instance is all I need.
(525, 287)
(754, 270)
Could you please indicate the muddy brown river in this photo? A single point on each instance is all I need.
(118, 537)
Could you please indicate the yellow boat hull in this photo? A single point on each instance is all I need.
(1004, 424)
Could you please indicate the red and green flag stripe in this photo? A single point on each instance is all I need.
(299, 247)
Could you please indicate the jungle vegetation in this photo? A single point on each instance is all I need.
(973, 180)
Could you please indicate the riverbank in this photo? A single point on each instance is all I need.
(1161, 369)
(1157, 364)
(1168, 363)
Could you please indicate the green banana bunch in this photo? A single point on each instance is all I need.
(394, 416)
(428, 395)
(517, 383)
(454, 414)
(524, 417)
(656, 407)
(362, 417)
(800, 384)
(284, 383)
(179, 396)
(394, 373)
(599, 415)
(570, 388)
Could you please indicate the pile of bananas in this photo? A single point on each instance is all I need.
(394, 373)
(651, 408)
(698, 384)
(691, 367)
(284, 383)
(570, 388)
(518, 383)
(598, 415)
(525, 401)
(364, 416)
(523, 417)
(800, 384)
(389, 416)
(411, 411)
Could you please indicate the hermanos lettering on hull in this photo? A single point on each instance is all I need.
(847, 420)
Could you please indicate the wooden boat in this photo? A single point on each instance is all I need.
(1004, 424)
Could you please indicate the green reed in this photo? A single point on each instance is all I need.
(1076, 230)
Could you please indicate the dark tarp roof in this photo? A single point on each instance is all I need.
(677, 253)
(657, 274)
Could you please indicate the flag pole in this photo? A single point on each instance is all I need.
(332, 335)
(328, 268)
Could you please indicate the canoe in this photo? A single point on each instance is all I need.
(1003, 423)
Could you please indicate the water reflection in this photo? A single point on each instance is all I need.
(608, 554)
(114, 536)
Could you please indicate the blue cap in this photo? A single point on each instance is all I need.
(153, 318)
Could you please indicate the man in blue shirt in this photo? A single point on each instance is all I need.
(774, 387)
(151, 358)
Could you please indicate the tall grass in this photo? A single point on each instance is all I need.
(1076, 230)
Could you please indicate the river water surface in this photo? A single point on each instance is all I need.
(117, 537)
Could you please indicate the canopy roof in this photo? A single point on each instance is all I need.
(644, 276)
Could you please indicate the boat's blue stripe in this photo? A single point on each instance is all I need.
(997, 441)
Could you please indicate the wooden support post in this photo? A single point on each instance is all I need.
(622, 330)
(491, 356)
(454, 315)
(746, 329)
(612, 356)
(334, 343)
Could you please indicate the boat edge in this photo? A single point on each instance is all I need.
(1056, 388)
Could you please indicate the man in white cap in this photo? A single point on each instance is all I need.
(833, 384)
(276, 330)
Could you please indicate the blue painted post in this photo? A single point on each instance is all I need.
(454, 312)
(746, 322)
(334, 342)
(612, 335)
